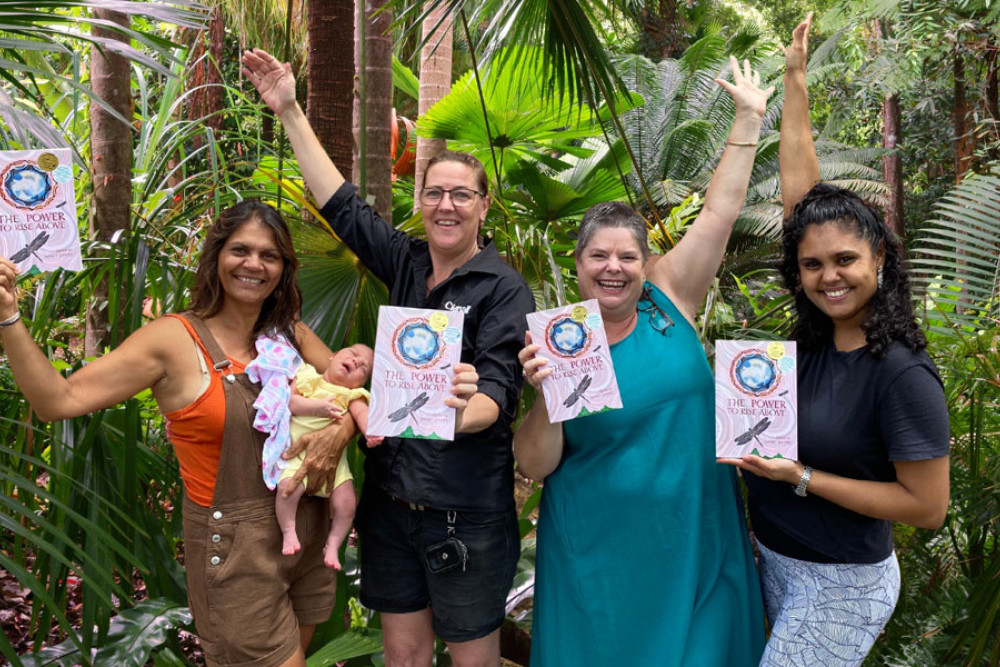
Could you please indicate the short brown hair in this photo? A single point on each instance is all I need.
(469, 160)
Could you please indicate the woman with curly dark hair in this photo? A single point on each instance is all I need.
(873, 424)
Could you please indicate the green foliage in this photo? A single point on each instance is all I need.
(957, 258)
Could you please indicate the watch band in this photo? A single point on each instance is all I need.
(800, 490)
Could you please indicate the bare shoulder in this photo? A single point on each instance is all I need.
(164, 337)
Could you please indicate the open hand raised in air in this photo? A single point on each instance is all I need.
(272, 79)
(745, 89)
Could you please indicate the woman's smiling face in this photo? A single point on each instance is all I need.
(250, 263)
(610, 268)
(838, 272)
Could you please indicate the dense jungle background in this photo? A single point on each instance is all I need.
(567, 103)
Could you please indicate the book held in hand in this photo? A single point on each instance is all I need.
(415, 354)
(756, 400)
(573, 340)
(38, 210)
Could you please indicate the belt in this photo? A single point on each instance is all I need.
(413, 506)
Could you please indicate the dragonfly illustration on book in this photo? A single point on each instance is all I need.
(30, 249)
(408, 409)
(578, 391)
(753, 432)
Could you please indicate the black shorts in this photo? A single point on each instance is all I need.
(466, 604)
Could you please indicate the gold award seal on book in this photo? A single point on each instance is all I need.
(438, 322)
(47, 162)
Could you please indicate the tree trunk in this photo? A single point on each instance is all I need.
(662, 30)
(892, 165)
(330, 79)
(435, 82)
(964, 143)
(378, 118)
(993, 95)
(205, 80)
(111, 164)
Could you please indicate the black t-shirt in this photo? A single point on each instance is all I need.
(857, 414)
(475, 471)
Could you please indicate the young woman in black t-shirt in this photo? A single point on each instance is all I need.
(873, 424)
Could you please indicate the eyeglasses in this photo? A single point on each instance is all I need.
(658, 319)
(460, 197)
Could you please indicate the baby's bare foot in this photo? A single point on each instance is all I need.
(290, 545)
(330, 556)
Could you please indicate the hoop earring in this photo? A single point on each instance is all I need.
(878, 278)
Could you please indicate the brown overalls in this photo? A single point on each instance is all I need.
(247, 599)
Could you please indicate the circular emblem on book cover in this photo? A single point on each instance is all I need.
(416, 344)
(754, 372)
(566, 337)
(24, 186)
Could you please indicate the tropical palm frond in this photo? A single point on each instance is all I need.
(956, 257)
(519, 121)
(59, 27)
(261, 24)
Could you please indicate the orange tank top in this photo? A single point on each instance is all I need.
(196, 430)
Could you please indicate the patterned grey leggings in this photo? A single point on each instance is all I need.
(825, 614)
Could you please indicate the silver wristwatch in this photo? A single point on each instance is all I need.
(800, 490)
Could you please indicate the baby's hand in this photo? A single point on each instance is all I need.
(328, 409)
(374, 440)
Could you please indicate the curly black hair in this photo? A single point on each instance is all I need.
(889, 315)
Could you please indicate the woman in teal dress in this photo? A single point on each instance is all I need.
(643, 556)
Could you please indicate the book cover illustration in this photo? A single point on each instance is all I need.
(756, 400)
(583, 378)
(415, 352)
(38, 210)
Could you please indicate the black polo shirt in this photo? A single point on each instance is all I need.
(475, 471)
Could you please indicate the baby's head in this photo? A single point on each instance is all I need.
(350, 367)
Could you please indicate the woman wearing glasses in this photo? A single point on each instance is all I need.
(643, 556)
(414, 488)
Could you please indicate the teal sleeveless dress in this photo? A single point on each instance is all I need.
(643, 556)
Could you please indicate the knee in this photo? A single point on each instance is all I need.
(413, 653)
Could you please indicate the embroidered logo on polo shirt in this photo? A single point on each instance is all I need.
(452, 306)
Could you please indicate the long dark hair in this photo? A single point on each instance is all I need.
(889, 314)
(280, 310)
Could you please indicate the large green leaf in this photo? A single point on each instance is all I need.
(354, 643)
(956, 257)
(518, 119)
(135, 633)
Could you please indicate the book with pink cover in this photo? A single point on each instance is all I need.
(583, 380)
(416, 350)
(756, 399)
(38, 210)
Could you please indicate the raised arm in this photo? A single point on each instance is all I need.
(798, 164)
(687, 271)
(276, 85)
(141, 361)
